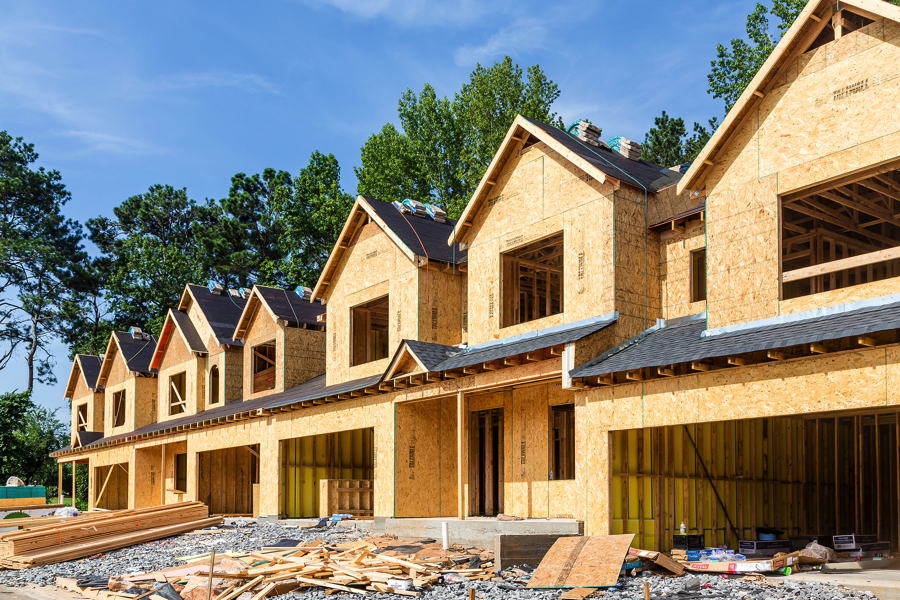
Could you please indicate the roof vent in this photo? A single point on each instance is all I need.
(303, 291)
(214, 288)
(435, 213)
(587, 132)
(627, 148)
(136, 333)
(245, 293)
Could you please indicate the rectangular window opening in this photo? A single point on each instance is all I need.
(562, 441)
(119, 409)
(369, 331)
(840, 234)
(82, 417)
(698, 275)
(264, 362)
(177, 396)
(181, 472)
(532, 284)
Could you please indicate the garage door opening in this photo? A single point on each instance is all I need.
(229, 481)
(817, 476)
(329, 473)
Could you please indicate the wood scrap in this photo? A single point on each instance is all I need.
(593, 561)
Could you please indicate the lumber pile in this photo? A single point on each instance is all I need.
(62, 541)
(351, 568)
(627, 148)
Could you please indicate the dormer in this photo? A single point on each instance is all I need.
(180, 359)
(283, 338)
(391, 276)
(128, 381)
(556, 232)
(86, 399)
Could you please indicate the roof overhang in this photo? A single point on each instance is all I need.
(109, 357)
(813, 19)
(360, 214)
(169, 327)
(518, 133)
(254, 302)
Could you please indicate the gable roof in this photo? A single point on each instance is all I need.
(806, 28)
(280, 305)
(179, 320)
(601, 163)
(221, 310)
(88, 367)
(414, 236)
(137, 354)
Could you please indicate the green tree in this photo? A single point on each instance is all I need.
(444, 146)
(13, 408)
(313, 218)
(38, 434)
(87, 318)
(668, 143)
(735, 66)
(40, 251)
(154, 248)
(247, 246)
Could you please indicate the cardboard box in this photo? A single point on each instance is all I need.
(750, 566)
(763, 547)
(687, 541)
(852, 542)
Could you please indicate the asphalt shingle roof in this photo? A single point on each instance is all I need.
(422, 235)
(651, 176)
(437, 357)
(685, 342)
(195, 344)
(222, 312)
(90, 368)
(137, 353)
(289, 306)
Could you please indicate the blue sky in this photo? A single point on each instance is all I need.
(120, 96)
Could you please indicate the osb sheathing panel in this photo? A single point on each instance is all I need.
(203, 328)
(233, 373)
(675, 273)
(440, 311)
(304, 356)
(666, 204)
(262, 330)
(116, 494)
(742, 253)
(103, 458)
(540, 194)
(82, 395)
(853, 293)
(140, 404)
(148, 477)
(426, 459)
(372, 266)
(177, 359)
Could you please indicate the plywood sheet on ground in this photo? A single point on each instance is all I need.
(593, 561)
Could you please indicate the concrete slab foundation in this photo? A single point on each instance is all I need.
(479, 532)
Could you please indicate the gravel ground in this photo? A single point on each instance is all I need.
(153, 556)
(162, 554)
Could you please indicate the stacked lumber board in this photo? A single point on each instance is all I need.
(588, 133)
(351, 568)
(78, 538)
(627, 148)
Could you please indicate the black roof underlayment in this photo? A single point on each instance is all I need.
(222, 312)
(422, 235)
(90, 368)
(290, 306)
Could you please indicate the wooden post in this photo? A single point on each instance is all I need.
(162, 476)
(59, 484)
(461, 455)
(209, 579)
(837, 471)
(74, 469)
(878, 476)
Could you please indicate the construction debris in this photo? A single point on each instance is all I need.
(83, 536)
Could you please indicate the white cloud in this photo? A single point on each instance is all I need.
(247, 82)
(95, 141)
(522, 36)
(413, 12)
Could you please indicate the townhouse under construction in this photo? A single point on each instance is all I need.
(596, 339)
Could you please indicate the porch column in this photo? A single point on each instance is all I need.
(462, 462)
(59, 483)
(74, 469)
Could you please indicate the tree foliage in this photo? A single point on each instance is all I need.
(736, 65)
(38, 434)
(444, 146)
(668, 143)
(13, 408)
